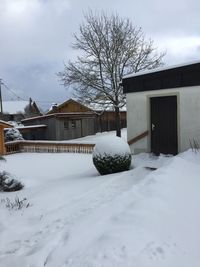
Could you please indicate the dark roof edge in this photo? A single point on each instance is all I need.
(160, 69)
(166, 78)
(59, 115)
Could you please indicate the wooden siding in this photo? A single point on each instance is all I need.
(79, 125)
(2, 146)
(33, 133)
(2, 143)
(70, 106)
(106, 121)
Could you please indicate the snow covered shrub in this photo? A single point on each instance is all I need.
(12, 134)
(111, 154)
(8, 183)
(16, 204)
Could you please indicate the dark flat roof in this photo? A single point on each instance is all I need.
(164, 78)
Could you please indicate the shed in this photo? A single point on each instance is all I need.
(3, 125)
(163, 109)
(61, 126)
(33, 132)
(104, 114)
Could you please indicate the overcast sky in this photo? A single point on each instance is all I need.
(35, 38)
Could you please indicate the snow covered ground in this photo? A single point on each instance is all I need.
(138, 218)
(92, 139)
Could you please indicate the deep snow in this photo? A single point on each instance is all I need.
(138, 218)
(111, 145)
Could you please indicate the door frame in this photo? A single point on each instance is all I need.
(149, 96)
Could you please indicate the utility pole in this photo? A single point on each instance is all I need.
(1, 106)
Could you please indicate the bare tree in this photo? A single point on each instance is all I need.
(110, 47)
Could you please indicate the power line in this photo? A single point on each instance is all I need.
(44, 101)
(1, 97)
(21, 98)
(11, 91)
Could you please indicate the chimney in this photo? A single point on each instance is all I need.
(54, 106)
(30, 102)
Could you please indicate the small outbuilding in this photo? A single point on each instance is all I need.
(59, 126)
(163, 109)
(70, 120)
(104, 113)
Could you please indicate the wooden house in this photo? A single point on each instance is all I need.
(67, 121)
(104, 117)
(163, 107)
(69, 106)
(70, 120)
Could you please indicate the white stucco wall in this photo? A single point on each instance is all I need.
(188, 115)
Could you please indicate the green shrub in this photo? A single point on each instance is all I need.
(112, 163)
(111, 154)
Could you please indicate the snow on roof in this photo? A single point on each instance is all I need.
(53, 105)
(32, 126)
(14, 107)
(111, 146)
(63, 114)
(161, 69)
(5, 123)
(104, 106)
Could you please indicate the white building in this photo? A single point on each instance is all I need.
(163, 109)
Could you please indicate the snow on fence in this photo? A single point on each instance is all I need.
(47, 147)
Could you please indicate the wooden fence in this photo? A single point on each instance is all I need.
(47, 147)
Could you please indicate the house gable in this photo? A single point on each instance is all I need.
(70, 106)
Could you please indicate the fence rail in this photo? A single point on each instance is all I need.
(47, 147)
(138, 137)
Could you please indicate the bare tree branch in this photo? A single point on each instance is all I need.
(110, 47)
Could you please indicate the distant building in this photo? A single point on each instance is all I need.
(18, 110)
(104, 114)
(70, 120)
(59, 126)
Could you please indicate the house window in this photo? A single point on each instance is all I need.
(69, 124)
(66, 125)
(73, 124)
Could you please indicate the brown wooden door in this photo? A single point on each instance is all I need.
(164, 125)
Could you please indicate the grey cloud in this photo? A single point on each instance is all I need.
(36, 36)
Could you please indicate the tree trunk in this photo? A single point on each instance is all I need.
(117, 122)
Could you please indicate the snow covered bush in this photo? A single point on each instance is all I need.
(111, 154)
(12, 134)
(8, 183)
(16, 204)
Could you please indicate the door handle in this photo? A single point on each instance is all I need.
(152, 127)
